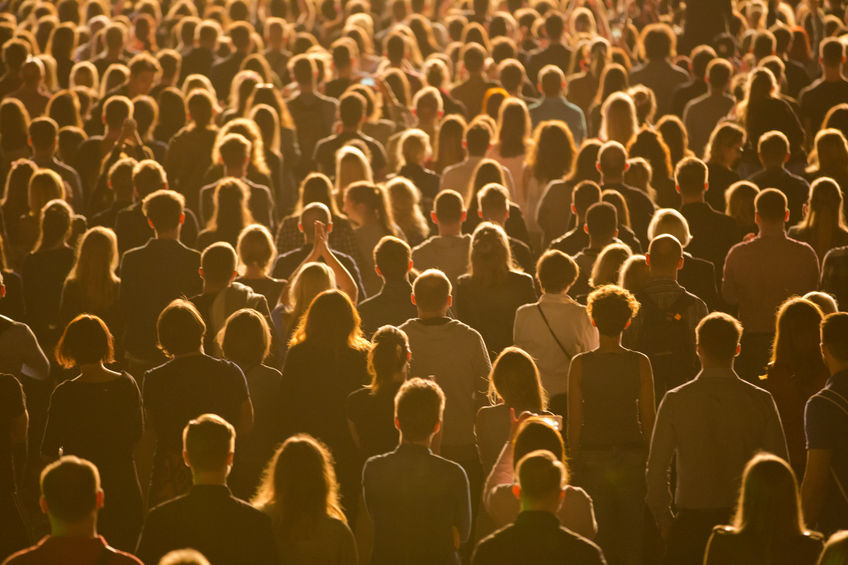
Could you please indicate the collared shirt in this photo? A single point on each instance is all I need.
(711, 426)
(569, 321)
(761, 273)
(826, 426)
(416, 500)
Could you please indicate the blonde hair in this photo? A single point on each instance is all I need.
(490, 257)
(256, 246)
(404, 199)
(634, 273)
(670, 221)
(414, 147)
(618, 118)
(94, 270)
(351, 166)
(308, 282)
(44, 185)
(608, 264)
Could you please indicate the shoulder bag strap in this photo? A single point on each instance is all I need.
(553, 335)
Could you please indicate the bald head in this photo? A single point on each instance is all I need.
(665, 255)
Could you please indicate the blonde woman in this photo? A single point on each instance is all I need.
(300, 494)
(352, 165)
(405, 203)
(92, 286)
(256, 253)
(608, 265)
(618, 118)
(513, 142)
(44, 185)
(308, 282)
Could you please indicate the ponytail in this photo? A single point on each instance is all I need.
(388, 356)
(375, 198)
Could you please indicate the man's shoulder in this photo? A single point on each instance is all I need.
(837, 254)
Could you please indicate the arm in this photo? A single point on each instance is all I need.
(35, 363)
(575, 405)
(51, 442)
(481, 372)
(775, 440)
(647, 413)
(245, 423)
(659, 459)
(463, 516)
(729, 289)
(814, 484)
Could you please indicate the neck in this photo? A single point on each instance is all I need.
(431, 315)
(86, 528)
(420, 442)
(714, 91)
(695, 197)
(237, 172)
(599, 243)
(707, 363)
(42, 154)
(254, 271)
(550, 506)
(87, 369)
(609, 342)
(169, 234)
(210, 287)
(447, 230)
(611, 179)
(772, 228)
(350, 129)
(834, 366)
(306, 88)
(832, 74)
(210, 478)
(666, 274)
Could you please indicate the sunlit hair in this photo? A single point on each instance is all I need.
(449, 148)
(740, 201)
(95, 267)
(618, 118)
(761, 86)
(831, 152)
(230, 212)
(824, 217)
(245, 338)
(44, 185)
(299, 487)
(487, 171)
(513, 128)
(331, 320)
(491, 257)
(256, 246)
(634, 273)
(608, 264)
(388, 355)
(310, 280)
(723, 136)
(514, 379)
(551, 155)
(351, 166)
(374, 198)
(835, 550)
(55, 225)
(769, 506)
(533, 434)
(404, 199)
(670, 221)
(250, 131)
(797, 337)
(85, 340)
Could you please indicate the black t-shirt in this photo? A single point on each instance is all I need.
(186, 387)
(373, 417)
(12, 405)
(818, 98)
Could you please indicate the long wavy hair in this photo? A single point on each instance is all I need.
(310, 280)
(514, 378)
(797, 337)
(94, 270)
(299, 487)
(332, 321)
(552, 152)
(825, 216)
(513, 128)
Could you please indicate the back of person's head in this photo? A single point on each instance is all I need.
(44, 185)
(331, 320)
(634, 273)
(534, 433)
(612, 158)
(351, 109)
(116, 110)
(432, 291)
(209, 442)
(608, 264)
(611, 308)
(85, 340)
(218, 263)
(773, 148)
(235, 150)
(551, 80)
(796, 341)
(586, 193)
(602, 221)
(43, 133)
(541, 476)
(834, 336)
(769, 507)
(763, 44)
(493, 200)
(419, 405)
(388, 356)
(514, 379)
(554, 25)
(70, 489)
(245, 338)
(164, 209)
(668, 221)
(148, 177)
(184, 557)
(491, 256)
(180, 328)
(473, 57)
(832, 52)
(56, 217)
(241, 35)
(414, 147)
(718, 336)
(256, 247)
(478, 137)
(314, 212)
(664, 253)
(448, 207)
(826, 303)
(770, 206)
(392, 256)
(556, 271)
(299, 486)
(303, 69)
(201, 107)
(719, 73)
(690, 175)
(658, 41)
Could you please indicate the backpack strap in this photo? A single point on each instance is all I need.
(553, 335)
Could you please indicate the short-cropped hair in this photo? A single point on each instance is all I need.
(392, 256)
(180, 328)
(770, 205)
(586, 193)
(691, 175)
(602, 220)
(219, 262)
(834, 335)
(494, 197)
(719, 72)
(773, 147)
(448, 206)
(234, 149)
(245, 338)
(209, 440)
(540, 475)
(148, 176)
(69, 487)
(183, 557)
(556, 271)
(256, 246)
(419, 405)
(86, 339)
(432, 290)
(718, 336)
(611, 308)
(164, 208)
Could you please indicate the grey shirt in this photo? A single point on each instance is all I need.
(712, 426)
(448, 253)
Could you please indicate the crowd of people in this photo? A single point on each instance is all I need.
(423, 282)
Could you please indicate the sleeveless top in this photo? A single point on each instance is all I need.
(610, 387)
